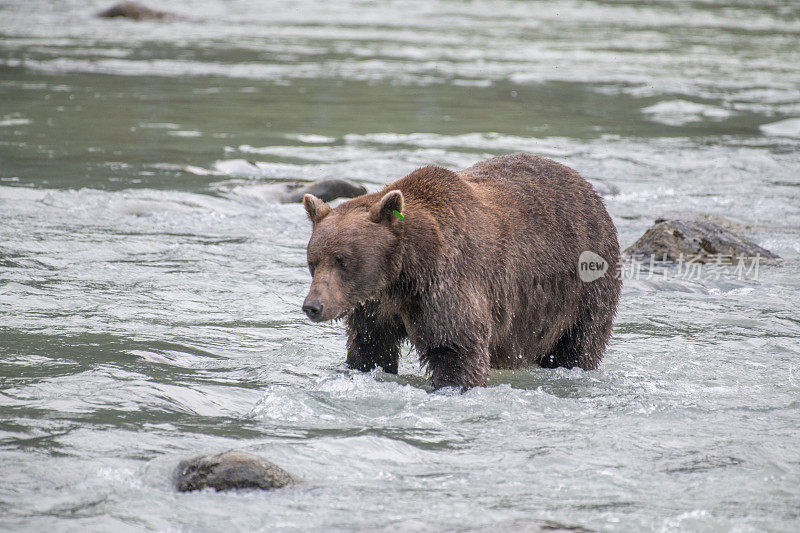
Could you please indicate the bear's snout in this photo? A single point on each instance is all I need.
(313, 308)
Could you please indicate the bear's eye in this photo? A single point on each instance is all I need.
(340, 262)
(311, 267)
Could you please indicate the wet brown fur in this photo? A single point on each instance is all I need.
(481, 273)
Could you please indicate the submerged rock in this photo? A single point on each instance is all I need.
(325, 190)
(700, 240)
(134, 11)
(604, 189)
(230, 470)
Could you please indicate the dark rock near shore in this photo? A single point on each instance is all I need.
(230, 470)
(700, 240)
(134, 11)
(326, 190)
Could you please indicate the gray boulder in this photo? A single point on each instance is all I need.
(325, 190)
(701, 240)
(134, 11)
(229, 470)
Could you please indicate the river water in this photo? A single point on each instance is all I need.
(150, 283)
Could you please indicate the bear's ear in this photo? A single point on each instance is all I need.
(316, 208)
(383, 210)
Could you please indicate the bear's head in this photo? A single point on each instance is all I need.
(352, 254)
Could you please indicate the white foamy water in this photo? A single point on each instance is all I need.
(789, 127)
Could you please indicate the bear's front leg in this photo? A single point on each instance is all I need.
(459, 368)
(373, 341)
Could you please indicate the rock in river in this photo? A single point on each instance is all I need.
(701, 240)
(134, 11)
(326, 190)
(229, 470)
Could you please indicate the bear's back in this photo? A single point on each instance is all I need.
(552, 202)
(530, 174)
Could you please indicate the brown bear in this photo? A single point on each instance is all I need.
(478, 269)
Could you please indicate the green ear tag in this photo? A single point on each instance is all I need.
(398, 214)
